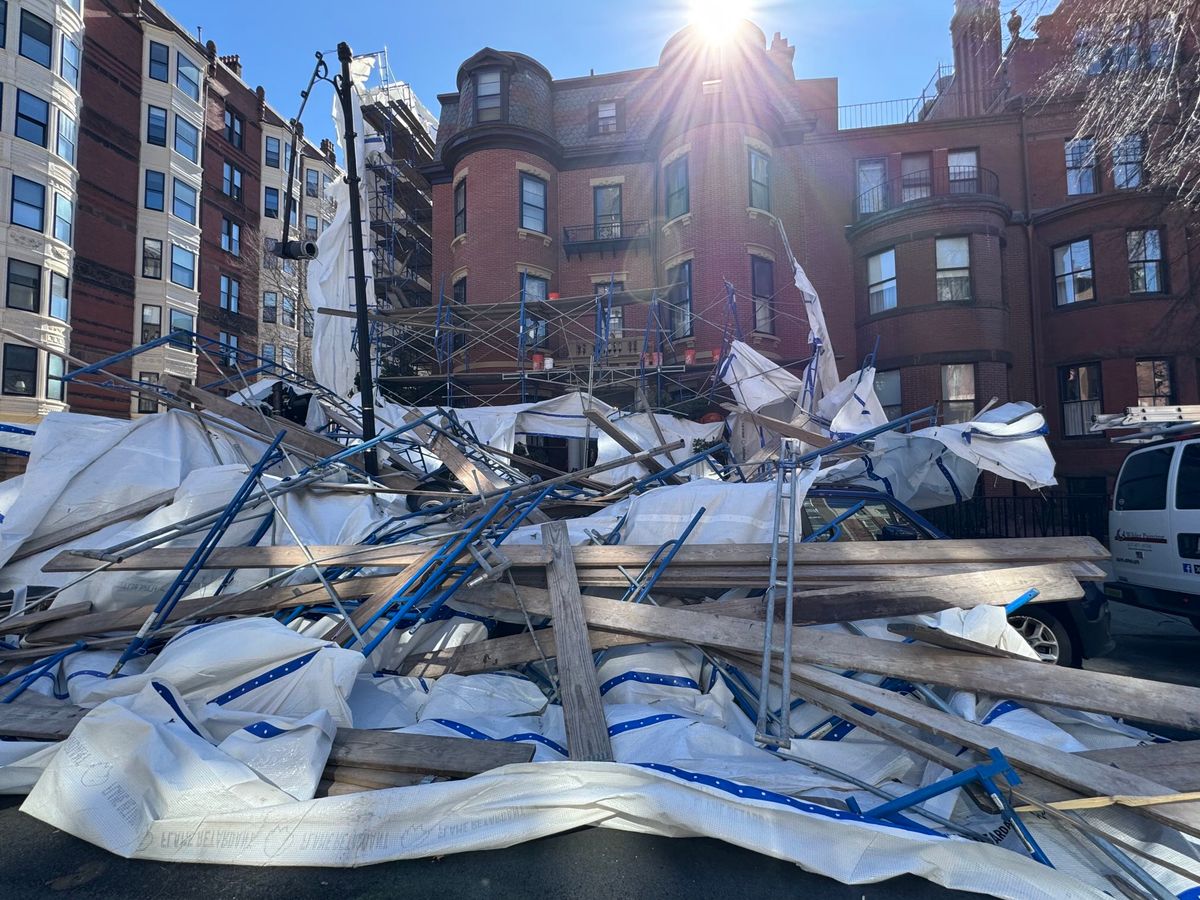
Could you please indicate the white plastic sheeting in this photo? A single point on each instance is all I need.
(757, 383)
(330, 277)
(1009, 441)
(824, 366)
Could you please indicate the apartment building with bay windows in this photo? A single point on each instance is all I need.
(970, 237)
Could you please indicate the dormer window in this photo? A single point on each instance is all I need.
(606, 117)
(488, 97)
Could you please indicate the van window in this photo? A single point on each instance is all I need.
(1143, 483)
(1187, 482)
(865, 525)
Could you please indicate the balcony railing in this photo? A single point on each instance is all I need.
(601, 236)
(914, 186)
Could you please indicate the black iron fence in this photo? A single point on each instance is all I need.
(1052, 515)
(922, 185)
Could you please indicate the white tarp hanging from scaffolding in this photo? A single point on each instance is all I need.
(331, 275)
(823, 369)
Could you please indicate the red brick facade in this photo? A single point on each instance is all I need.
(718, 106)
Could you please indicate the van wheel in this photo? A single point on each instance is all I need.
(1046, 635)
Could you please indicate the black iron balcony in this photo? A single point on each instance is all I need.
(605, 236)
(948, 181)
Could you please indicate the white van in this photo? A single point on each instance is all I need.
(1154, 529)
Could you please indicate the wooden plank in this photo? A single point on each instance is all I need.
(935, 637)
(60, 536)
(995, 551)
(579, 686)
(370, 779)
(31, 620)
(1100, 692)
(1176, 765)
(35, 720)
(628, 444)
(787, 429)
(378, 599)
(505, 652)
(448, 756)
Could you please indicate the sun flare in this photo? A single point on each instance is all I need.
(717, 20)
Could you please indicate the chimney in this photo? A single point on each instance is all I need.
(327, 150)
(781, 54)
(234, 61)
(975, 33)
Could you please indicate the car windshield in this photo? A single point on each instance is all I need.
(877, 520)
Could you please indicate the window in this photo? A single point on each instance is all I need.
(1154, 382)
(187, 139)
(184, 202)
(156, 187)
(151, 323)
(182, 322)
(269, 305)
(20, 370)
(762, 289)
(36, 34)
(306, 324)
(1143, 483)
(535, 330)
(606, 117)
(310, 228)
(1080, 396)
(187, 76)
(33, 118)
(287, 158)
(231, 181)
(870, 523)
(606, 206)
(460, 207)
(271, 203)
(56, 387)
(1127, 158)
(537, 289)
(272, 152)
(964, 171)
(68, 62)
(160, 61)
(915, 181)
(267, 351)
(68, 137)
(228, 353)
(616, 314)
(231, 237)
(1073, 272)
(533, 203)
(872, 175)
(1081, 166)
(288, 353)
(679, 300)
(676, 178)
(958, 392)
(60, 297)
(887, 389)
(231, 288)
(459, 291)
(1187, 479)
(183, 267)
(953, 269)
(24, 289)
(146, 400)
(881, 281)
(1145, 261)
(760, 180)
(3, 23)
(289, 311)
(64, 218)
(312, 183)
(1159, 53)
(152, 258)
(28, 204)
(234, 126)
(488, 105)
(156, 126)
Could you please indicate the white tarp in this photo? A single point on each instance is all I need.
(330, 277)
(1009, 440)
(758, 383)
(824, 366)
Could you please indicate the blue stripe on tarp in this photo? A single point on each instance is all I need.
(165, 692)
(958, 497)
(635, 724)
(871, 474)
(648, 678)
(265, 730)
(476, 734)
(752, 793)
(1000, 709)
(265, 678)
(16, 429)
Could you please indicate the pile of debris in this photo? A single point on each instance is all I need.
(226, 643)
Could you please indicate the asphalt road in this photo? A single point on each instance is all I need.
(39, 861)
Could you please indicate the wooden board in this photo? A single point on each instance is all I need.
(787, 429)
(578, 684)
(448, 756)
(1176, 765)
(66, 535)
(505, 652)
(370, 779)
(37, 720)
(378, 599)
(935, 637)
(717, 557)
(628, 444)
(30, 620)
(1115, 695)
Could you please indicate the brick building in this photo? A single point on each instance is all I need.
(986, 252)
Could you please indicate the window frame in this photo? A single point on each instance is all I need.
(32, 285)
(287, 311)
(880, 287)
(151, 131)
(69, 64)
(677, 322)
(1147, 264)
(270, 210)
(501, 94)
(231, 180)
(891, 410)
(1080, 163)
(23, 116)
(185, 319)
(56, 383)
(608, 124)
(176, 184)
(1167, 364)
(1123, 163)
(192, 141)
(460, 207)
(64, 225)
(877, 193)
(14, 203)
(9, 365)
(154, 321)
(764, 322)
(235, 128)
(1098, 399)
(611, 227)
(523, 204)
(145, 242)
(190, 284)
(957, 405)
(68, 137)
(948, 274)
(312, 183)
(165, 78)
(278, 155)
(1058, 277)
(676, 191)
(231, 236)
(754, 154)
(56, 309)
(147, 403)
(230, 293)
(272, 305)
(48, 43)
(194, 91)
(159, 192)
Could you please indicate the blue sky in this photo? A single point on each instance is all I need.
(878, 49)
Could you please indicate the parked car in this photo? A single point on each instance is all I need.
(1063, 632)
(1154, 529)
